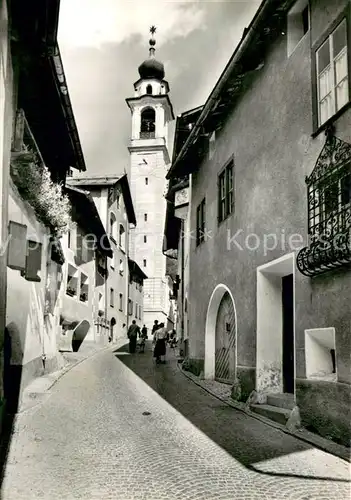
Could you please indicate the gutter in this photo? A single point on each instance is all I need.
(238, 53)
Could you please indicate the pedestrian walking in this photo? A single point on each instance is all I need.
(160, 337)
(133, 332)
(155, 326)
(144, 332)
(142, 339)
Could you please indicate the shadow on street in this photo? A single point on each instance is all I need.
(246, 439)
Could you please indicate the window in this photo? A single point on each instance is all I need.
(145, 238)
(145, 217)
(144, 262)
(113, 227)
(297, 24)
(69, 236)
(130, 307)
(329, 205)
(149, 89)
(139, 312)
(101, 301)
(84, 288)
(72, 281)
(136, 310)
(147, 129)
(118, 200)
(122, 237)
(332, 74)
(200, 223)
(146, 181)
(226, 192)
(121, 301)
(121, 267)
(212, 145)
(112, 301)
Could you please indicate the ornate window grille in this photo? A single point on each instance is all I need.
(329, 211)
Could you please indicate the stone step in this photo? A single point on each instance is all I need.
(281, 400)
(280, 415)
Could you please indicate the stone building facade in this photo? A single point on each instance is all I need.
(270, 215)
(6, 117)
(36, 105)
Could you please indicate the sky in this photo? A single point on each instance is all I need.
(103, 42)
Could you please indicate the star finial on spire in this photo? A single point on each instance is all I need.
(153, 29)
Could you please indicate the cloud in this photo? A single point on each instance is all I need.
(92, 23)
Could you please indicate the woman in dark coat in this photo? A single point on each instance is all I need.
(160, 337)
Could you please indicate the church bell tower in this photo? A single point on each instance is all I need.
(151, 111)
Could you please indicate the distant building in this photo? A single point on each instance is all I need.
(112, 197)
(136, 293)
(178, 231)
(151, 111)
(269, 168)
(86, 249)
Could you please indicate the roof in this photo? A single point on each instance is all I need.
(87, 216)
(266, 25)
(100, 181)
(42, 86)
(94, 180)
(135, 269)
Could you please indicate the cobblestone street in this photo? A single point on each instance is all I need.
(119, 427)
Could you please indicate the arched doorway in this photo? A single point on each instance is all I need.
(220, 336)
(225, 340)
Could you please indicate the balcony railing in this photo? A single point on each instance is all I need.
(147, 135)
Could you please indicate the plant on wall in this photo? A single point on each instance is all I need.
(35, 185)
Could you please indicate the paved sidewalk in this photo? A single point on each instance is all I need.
(39, 389)
(223, 392)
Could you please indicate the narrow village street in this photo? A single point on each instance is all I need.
(119, 427)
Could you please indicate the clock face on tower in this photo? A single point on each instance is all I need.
(181, 197)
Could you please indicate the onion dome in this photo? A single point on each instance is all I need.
(151, 67)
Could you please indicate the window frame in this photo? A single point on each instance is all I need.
(345, 15)
(121, 302)
(112, 297)
(226, 203)
(200, 222)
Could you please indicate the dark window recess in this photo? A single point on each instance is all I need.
(145, 239)
(145, 217)
(200, 222)
(147, 129)
(305, 20)
(144, 262)
(146, 181)
(226, 192)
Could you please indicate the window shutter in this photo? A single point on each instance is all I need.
(16, 256)
(33, 261)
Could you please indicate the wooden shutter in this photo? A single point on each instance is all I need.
(17, 249)
(33, 261)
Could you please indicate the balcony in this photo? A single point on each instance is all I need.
(147, 135)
